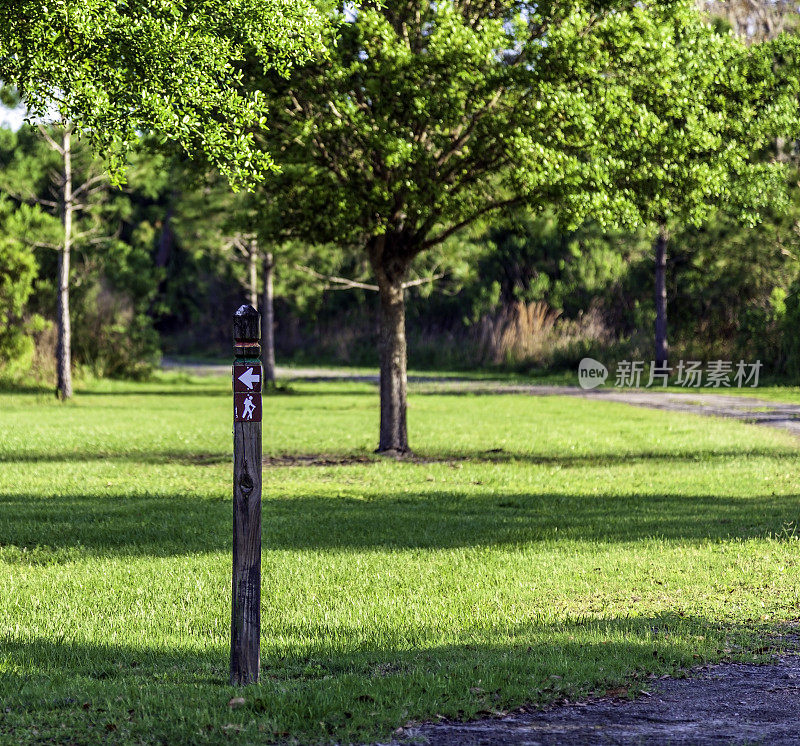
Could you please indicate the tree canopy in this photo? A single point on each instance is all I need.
(427, 116)
(704, 134)
(119, 68)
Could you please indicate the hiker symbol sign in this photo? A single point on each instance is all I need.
(246, 407)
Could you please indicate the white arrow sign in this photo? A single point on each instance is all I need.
(248, 378)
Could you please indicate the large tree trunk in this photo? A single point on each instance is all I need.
(393, 432)
(390, 264)
(661, 297)
(268, 322)
(64, 350)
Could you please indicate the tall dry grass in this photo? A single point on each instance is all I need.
(534, 333)
(517, 331)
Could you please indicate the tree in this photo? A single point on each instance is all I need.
(238, 229)
(218, 221)
(729, 282)
(111, 280)
(247, 245)
(116, 69)
(69, 199)
(67, 206)
(49, 182)
(428, 117)
(707, 128)
(268, 319)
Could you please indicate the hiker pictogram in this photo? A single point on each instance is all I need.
(246, 407)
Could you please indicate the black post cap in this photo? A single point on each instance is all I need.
(247, 324)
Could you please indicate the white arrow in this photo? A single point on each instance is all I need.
(248, 378)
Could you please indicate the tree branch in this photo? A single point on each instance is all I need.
(87, 184)
(423, 280)
(343, 282)
(240, 242)
(466, 221)
(463, 132)
(50, 141)
(43, 245)
(31, 199)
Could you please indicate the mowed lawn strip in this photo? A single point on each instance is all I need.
(538, 549)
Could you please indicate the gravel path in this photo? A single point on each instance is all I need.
(722, 704)
(747, 408)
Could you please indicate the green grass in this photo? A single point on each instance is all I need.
(539, 549)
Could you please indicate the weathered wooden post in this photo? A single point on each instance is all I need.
(246, 607)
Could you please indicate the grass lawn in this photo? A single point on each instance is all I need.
(539, 549)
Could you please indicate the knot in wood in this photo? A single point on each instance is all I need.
(246, 482)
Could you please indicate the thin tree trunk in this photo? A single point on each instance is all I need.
(252, 258)
(64, 348)
(781, 154)
(393, 432)
(166, 239)
(268, 322)
(662, 348)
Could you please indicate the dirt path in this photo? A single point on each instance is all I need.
(722, 704)
(746, 408)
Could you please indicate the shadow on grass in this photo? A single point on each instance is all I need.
(186, 390)
(13, 388)
(43, 531)
(177, 391)
(338, 685)
(278, 392)
(167, 456)
(502, 456)
(492, 455)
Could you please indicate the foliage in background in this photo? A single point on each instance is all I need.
(162, 277)
(18, 270)
(733, 291)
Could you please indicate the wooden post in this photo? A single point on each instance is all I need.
(246, 606)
